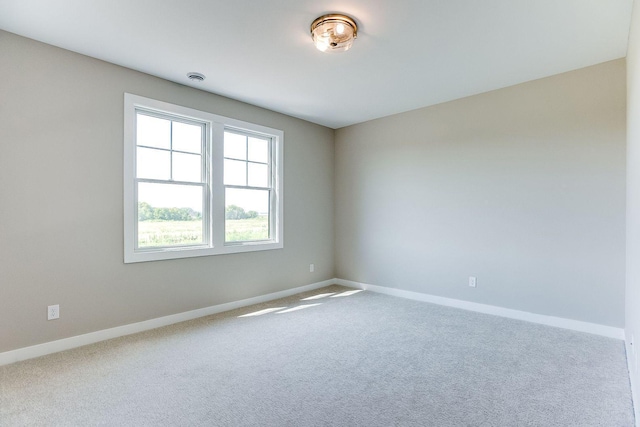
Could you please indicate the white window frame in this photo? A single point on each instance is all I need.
(214, 213)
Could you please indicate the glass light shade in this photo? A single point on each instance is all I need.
(334, 33)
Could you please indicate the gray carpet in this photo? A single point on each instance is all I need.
(363, 359)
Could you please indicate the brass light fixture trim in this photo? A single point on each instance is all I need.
(334, 32)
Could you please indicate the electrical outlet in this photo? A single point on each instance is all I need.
(53, 312)
(312, 268)
(472, 281)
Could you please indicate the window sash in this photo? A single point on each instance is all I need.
(203, 183)
(206, 224)
(272, 213)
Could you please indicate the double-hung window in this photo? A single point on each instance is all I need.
(198, 184)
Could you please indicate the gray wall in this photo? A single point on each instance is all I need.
(633, 203)
(523, 187)
(61, 213)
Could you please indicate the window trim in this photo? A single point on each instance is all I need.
(215, 126)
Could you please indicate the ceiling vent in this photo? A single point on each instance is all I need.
(196, 77)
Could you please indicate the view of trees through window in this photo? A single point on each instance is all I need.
(183, 226)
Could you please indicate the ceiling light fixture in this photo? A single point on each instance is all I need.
(334, 33)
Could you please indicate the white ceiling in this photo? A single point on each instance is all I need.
(409, 53)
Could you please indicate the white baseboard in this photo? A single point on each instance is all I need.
(633, 378)
(105, 334)
(119, 331)
(559, 322)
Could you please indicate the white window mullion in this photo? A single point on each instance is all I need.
(207, 178)
(277, 162)
(171, 151)
(217, 184)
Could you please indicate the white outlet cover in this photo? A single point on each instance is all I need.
(53, 312)
(472, 281)
(312, 268)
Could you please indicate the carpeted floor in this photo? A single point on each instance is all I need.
(356, 359)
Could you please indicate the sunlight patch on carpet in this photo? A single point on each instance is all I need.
(318, 296)
(300, 307)
(347, 293)
(261, 312)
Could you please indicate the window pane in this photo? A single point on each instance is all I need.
(235, 146)
(187, 167)
(258, 175)
(246, 215)
(152, 131)
(169, 215)
(235, 172)
(152, 163)
(187, 137)
(259, 150)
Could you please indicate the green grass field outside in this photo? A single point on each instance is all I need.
(179, 233)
